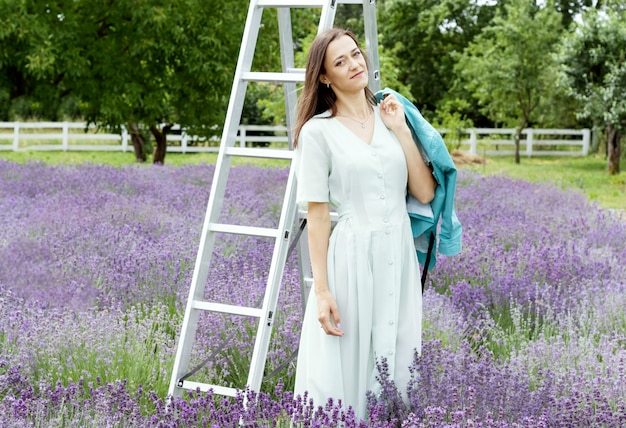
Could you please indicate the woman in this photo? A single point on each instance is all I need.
(358, 158)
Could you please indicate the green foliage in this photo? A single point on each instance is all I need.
(507, 66)
(593, 68)
(264, 105)
(451, 118)
(570, 8)
(594, 71)
(27, 59)
(423, 36)
(390, 74)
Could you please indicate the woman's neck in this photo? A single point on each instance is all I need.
(355, 106)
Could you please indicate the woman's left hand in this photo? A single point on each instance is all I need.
(392, 114)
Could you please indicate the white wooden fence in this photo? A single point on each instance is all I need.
(533, 142)
(76, 136)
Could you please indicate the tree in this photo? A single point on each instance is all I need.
(423, 35)
(510, 66)
(26, 57)
(156, 64)
(570, 8)
(145, 65)
(593, 61)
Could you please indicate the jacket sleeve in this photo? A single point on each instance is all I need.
(450, 238)
(450, 234)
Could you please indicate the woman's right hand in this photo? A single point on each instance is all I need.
(328, 314)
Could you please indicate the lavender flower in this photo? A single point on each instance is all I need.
(525, 328)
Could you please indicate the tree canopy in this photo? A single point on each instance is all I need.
(142, 64)
(593, 60)
(423, 36)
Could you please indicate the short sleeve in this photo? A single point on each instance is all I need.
(313, 167)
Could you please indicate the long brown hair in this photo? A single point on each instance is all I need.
(316, 97)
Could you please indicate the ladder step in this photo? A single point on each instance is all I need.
(291, 3)
(227, 309)
(205, 387)
(236, 229)
(271, 76)
(260, 153)
(302, 3)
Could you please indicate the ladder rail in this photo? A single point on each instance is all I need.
(287, 217)
(279, 257)
(328, 16)
(371, 43)
(288, 65)
(218, 186)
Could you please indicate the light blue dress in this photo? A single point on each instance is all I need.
(373, 270)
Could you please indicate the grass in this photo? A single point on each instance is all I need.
(588, 174)
(120, 158)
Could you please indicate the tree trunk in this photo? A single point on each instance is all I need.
(613, 149)
(160, 136)
(595, 138)
(138, 143)
(518, 137)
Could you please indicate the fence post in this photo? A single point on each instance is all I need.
(242, 136)
(66, 137)
(183, 142)
(473, 141)
(586, 140)
(124, 139)
(16, 136)
(529, 142)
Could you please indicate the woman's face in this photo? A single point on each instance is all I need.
(346, 70)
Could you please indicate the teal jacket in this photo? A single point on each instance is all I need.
(425, 218)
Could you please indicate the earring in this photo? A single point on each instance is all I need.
(328, 86)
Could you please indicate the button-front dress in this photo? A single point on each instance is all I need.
(373, 271)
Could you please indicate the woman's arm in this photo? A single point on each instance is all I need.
(318, 220)
(421, 182)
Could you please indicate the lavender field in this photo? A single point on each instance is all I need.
(525, 328)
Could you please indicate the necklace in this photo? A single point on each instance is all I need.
(358, 121)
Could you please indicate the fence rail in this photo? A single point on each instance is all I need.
(533, 142)
(76, 136)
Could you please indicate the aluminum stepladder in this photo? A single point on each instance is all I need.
(289, 77)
